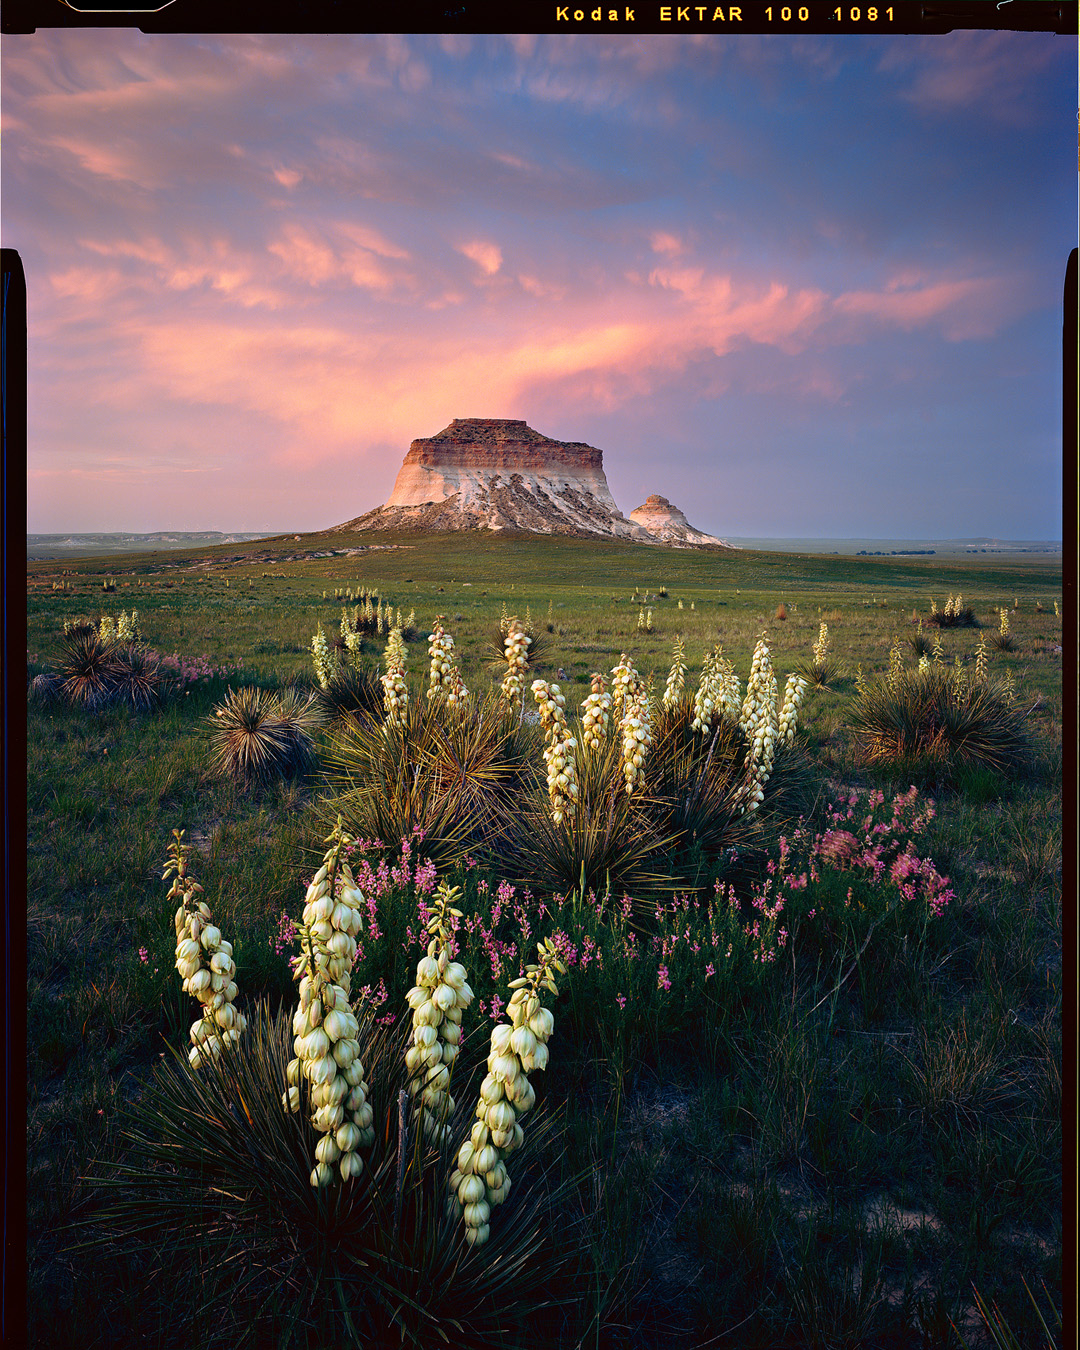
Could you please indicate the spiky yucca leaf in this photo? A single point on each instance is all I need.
(217, 1173)
(925, 716)
(45, 689)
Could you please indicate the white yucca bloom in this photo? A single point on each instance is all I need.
(438, 1000)
(320, 656)
(936, 647)
(595, 714)
(560, 750)
(480, 1180)
(924, 663)
(204, 961)
(1004, 622)
(127, 626)
(641, 621)
(676, 680)
(325, 1029)
(718, 688)
(516, 650)
(821, 646)
(107, 628)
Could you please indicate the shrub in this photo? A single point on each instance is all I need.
(137, 676)
(936, 719)
(87, 669)
(351, 691)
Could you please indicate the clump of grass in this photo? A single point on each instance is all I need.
(257, 734)
(935, 718)
(781, 611)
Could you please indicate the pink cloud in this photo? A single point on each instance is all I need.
(487, 256)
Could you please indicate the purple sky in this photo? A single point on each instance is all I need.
(803, 286)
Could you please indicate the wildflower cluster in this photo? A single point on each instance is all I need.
(480, 1180)
(320, 656)
(559, 751)
(676, 679)
(516, 649)
(326, 1032)
(395, 690)
(595, 712)
(204, 961)
(438, 1000)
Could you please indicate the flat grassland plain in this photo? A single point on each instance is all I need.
(848, 1145)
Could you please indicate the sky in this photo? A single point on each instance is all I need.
(802, 286)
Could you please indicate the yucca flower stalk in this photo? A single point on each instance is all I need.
(204, 960)
(938, 651)
(1004, 622)
(759, 724)
(924, 663)
(320, 656)
(595, 714)
(517, 662)
(438, 1000)
(821, 646)
(325, 1028)
(127, 626)
(440, 649)
(896, 663)
(480, 1180)
(395, 690)
(625, 683)
(107, 628)
(788, 719)
(636, 729)
(457, 694)
(559, 752)
(980, 661)
(676, 680)
(641, 621)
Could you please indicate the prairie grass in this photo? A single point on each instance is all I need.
(832, 1146)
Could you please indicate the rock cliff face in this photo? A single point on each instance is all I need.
(499, 474)
(667, 523)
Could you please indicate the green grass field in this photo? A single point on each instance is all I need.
(835, 1148)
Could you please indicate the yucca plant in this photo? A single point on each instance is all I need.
(927, 717)
(448, 777)
(609, 843)
(216, 1181)
(251, 743)
(87, 669)
(45, 689)
(535, 654)
(351, 691)
(137, 676)
(695, 777)
(300, 712)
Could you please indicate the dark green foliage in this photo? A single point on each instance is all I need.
(927, 718)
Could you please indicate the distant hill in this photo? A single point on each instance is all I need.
(43, 547)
